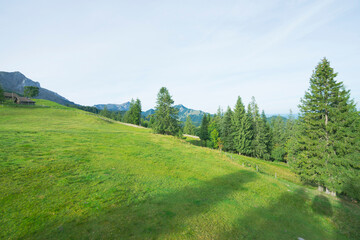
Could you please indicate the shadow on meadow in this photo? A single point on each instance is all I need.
(153, 217)
(293, 215)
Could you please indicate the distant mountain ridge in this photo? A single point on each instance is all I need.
(16, 81)
(184, 112)
(114, 107)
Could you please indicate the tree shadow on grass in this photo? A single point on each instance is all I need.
(153, 217)
(293, 216)
(195, 142)
(321, 205)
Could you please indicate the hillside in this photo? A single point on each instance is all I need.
(68, 174)
(16, 81)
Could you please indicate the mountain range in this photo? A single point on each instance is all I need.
(184, 112)
(16, 81)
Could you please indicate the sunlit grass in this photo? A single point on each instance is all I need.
(67, 174)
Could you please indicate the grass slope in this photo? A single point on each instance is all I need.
(66, 174)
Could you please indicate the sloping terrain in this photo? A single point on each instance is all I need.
(16, 81)
(67, 174)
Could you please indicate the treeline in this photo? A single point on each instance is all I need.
(245, 131)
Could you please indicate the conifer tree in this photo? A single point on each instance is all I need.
(242, 129)
(189, 127)
(266, 136)
(326, 150)
(260, 141)
(204, 131)
(227, 131)
(166, 115)
(133, 115)
(278, 132)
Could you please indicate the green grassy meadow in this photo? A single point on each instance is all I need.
(68, 174)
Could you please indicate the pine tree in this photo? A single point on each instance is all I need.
(189, 127)
(133, 115)
(242, 129)
(278, 132)
(227, 131)
(166, 115)
(204, 131)
(135, 112)
(260, 139)
(327, 144)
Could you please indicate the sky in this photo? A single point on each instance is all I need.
(206, 53)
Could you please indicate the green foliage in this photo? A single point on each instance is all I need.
(85, 108)
(242, 129)
(328, 139)
(204, 133)
(214, 139)
(214, 131)
(2, 97)
(261, 132)
(165, 121)
(105, 112)
(278, 141)
(189, 127)
(133, 115)
(227, 130)
(30, 91)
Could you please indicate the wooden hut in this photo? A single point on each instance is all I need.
(11, 96)
(17, 99)
(24, 101)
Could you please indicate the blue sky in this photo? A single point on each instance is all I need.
(205, 52)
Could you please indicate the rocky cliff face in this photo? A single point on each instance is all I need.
(16, 81)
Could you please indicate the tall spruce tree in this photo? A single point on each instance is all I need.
(166, 115)
(227, 131)
(242, 134)
(326, 151)
(278, 141)
(260, 132)
(266, 136)
(204, 129)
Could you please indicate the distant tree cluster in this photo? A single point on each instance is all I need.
(246, 132)
(85, 108)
